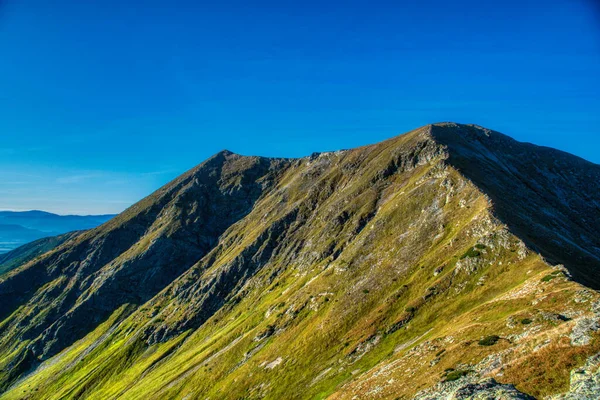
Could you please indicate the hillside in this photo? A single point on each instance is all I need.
(434, 263)
(29, 251)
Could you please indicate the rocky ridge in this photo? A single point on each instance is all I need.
(377, 272)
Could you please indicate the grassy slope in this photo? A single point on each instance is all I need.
(375, 278)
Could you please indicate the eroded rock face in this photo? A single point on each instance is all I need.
(585, 327)
(487, 389)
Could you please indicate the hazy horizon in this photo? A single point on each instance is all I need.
(50, 212)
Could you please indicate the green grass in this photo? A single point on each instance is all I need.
(489, 340)
(472, 252)
(456, 375)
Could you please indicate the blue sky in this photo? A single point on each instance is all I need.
(101, 102)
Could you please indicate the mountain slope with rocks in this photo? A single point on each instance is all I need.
(442, 262)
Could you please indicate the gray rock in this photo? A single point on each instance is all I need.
(487, 389)
(585, 382)
(580, 336)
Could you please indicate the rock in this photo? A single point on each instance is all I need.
(580, 336)
(274, 363)
(487, 389)
(585, 382)
(438, 270)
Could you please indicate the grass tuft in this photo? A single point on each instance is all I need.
(489, 340)
(456, 375)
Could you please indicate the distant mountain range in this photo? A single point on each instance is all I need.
(19, 228)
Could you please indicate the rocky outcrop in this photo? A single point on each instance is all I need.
(585, 382)
(486, 389)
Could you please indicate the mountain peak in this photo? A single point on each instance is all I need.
(250, 271)
(219, 157)
(529, 186)
(225, 153)
(454, 130)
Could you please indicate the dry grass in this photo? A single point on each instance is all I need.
(547, 371)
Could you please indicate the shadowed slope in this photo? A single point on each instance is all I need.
(23, 254)
(56, 300)
(550, 199)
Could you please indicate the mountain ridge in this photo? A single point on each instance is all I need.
(381, 244)
(505, 209)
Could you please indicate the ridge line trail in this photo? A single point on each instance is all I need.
(496, 299)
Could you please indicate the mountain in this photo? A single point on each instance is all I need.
(448, 262)
(29, 251)
(18, 228)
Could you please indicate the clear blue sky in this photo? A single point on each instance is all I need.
(102, 102)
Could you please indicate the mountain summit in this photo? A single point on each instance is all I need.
(450, 259)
